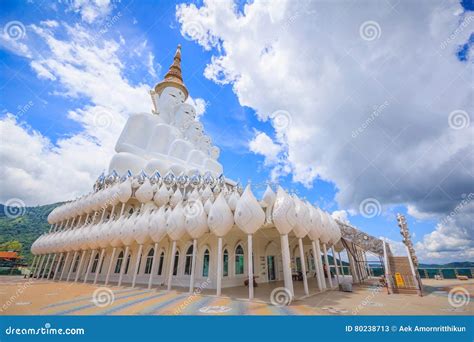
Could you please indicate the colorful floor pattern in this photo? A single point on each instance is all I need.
(151, 302)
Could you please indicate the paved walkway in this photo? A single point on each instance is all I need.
(40, 297)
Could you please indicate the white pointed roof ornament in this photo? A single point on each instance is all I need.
(175, 223)
(195, 220)
(220, 218)
(145, 192)
(284, 215)
(249, 216)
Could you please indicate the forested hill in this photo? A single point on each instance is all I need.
(24, 225)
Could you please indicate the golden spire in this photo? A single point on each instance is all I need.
(173, 77)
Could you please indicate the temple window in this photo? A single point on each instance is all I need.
(160, 265)
(205, 264)
(239, 260)
(188, 263)
(118, 265)
(226, 263)
(149, 261)
(176, 262)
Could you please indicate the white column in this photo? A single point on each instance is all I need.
(124, 263)
(303, 266)
(317, 267)
(51, 267)
(193, 266)
(326, 261)
(388, 278)
(219, 266)
(39, 266)
(35, 259)
(89, 266)
(340, 263)
(101, 260)
(335, 265)
(320, 262)
(137, 264)
(64, 266)
(46, 266)
(413, 272)
(285, 253)
(61, 257)
(153, 265)
(170, 271)
(250, 265)
(72, 265)
(78, 271)
(110, 266)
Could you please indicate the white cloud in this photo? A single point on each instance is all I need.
(262, 144)
(38, 171)
(341, 215)
(370, 115)
(91, 10)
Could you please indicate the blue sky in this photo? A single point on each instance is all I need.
(40, 95)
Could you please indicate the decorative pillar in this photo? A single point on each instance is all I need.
(101, 260)
(193, 266)
(61, 257)
(250, 265)
(153, 266)
(219, 266)
(46, 266)
(64, 266)
(335, 265)
(110, 265)
(39, 266)
(285, 253)
(317, 265)
(137, 263)
(124, 263)
(78, 273)
(35, 259)
(326, 261)
(303, 266)
(388, 278)
(89, 266)
(170, 271)
(48, 275)
(72, 265)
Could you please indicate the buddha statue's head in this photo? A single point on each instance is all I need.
(169, 99)
(185, 114)
(194, 132)
(204, 143)
(214, 152)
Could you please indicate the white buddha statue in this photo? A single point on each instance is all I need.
(168, 139)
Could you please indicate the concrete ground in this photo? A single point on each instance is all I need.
(20, 296)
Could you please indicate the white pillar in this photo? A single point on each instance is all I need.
(78, 271)
(72, 265)
(61, 257)
(285, 253)
(326, 261)
(51, 267)
(193, 266)
(64, 266)
(46, 266)
(110, 266)
(335, 265)
(317, 267)
(39, 266)
(413, 272)
(320, 262)
(35, 260)
(170, 271)
(124, 263)
(89, 266)
(137, 264)
(340, 263)
(97, 270)
(388, 278)
(303, 266)
(219, 266)
(250, 265)
(153, 265)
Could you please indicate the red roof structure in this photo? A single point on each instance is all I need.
(8, 255)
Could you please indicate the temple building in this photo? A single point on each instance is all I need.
(165, 216)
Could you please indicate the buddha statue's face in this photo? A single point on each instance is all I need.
(194, 132)
(215, 152)
(169, 99)
(184, 115)
(204, 143)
